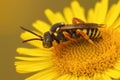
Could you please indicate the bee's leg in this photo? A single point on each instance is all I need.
(68, 36)
(85, 36)
(77, 21)
(74, 22)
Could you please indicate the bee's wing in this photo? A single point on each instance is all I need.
(81, 26)
(101, 25)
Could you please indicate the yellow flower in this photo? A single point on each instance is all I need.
(75, 60)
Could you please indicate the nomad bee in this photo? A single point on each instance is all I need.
(61, 32)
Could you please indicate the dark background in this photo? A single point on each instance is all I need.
(14, 13)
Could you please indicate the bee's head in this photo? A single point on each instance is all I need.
(47, 41)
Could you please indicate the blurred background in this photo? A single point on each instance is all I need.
(14, 13)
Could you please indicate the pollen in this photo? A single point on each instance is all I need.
(81, 58)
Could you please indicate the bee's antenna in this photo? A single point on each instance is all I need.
(40, 37)
(31, 40)
(31, 32)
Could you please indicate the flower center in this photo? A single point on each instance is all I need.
(81, 58)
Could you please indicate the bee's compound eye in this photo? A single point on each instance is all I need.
(47, 41)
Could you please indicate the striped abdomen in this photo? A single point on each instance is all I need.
(92, 32)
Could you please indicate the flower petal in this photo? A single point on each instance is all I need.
(116, 24)
(68, 14)
(41, 26)
(100, 11)
(34, 52)
(91, 16)
(50, 15)
(113, 73)
(30, 66)
(27, 36)
(117, 65)
(84, 78)
(97, 76)
(33, 58)
(78, 11)
(60, 18)
(54, 17)
(113, 14)
(105, 77)
(64, 77)
(96, 11)
(74, 77)
(48, 74)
